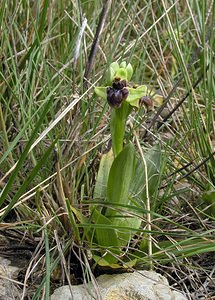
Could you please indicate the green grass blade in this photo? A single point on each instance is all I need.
(12, 178)
(27, 181)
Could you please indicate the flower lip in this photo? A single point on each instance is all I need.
(117, 93)
(114, 97)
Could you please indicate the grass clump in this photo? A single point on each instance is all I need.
(54, 129)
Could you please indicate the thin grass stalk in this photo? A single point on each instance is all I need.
(63, 261)
(2, 124)
(148, 206)
(48, 262)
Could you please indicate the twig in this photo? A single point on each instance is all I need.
(195, 56)
(99, 29)
(198, 166)
(183, 99)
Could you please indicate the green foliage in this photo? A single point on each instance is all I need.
(120, 177)
(138, 186)
(121, 188)
(115, 183)
(162, 49)
(103, 174)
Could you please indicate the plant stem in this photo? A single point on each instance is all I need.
(117, 126)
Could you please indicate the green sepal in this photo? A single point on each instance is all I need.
(123, 64)
(121, 73)
(114, 65)
(121, 220)
(135, 95)
(112, 70)
(110, 75)
(129, 71)
(101, 91)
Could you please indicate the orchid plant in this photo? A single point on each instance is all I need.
(117, 209)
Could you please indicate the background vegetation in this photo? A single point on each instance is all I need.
(54, 129)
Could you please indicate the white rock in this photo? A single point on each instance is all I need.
(142, 285)
(8, 290)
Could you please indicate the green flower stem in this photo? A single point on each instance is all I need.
(117, 126)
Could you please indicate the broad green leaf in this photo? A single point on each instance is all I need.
(101, 261)
(122, 219)
(135, 95)
(120, 176)
(138, 186)
(101, 91)
(130, 263)
(106, 237)
(102, 177)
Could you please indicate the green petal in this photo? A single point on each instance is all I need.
(123, 65)
(110, 75)
(101, 91)
(115, 66)
(129, 71)
(135, 95)
(122, 73)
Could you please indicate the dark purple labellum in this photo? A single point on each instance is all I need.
(114, 97)
(117, 93)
